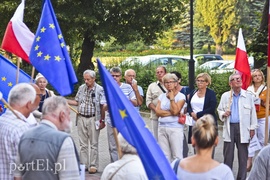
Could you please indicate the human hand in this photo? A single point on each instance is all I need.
(227, 113)
(101, 124)
(252, 133)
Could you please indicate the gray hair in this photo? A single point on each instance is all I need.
(232, 75)
(116, 70)
(90, 73)
(22, 93)
(53, 105)
(169, 76)
(126, 148)
(128, 70)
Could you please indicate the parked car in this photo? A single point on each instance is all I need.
(230, 67)
(215, 64)
(202, 58)
(153, 60)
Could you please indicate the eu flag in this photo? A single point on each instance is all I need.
(49, 54)
(8, 77)
(131, 125)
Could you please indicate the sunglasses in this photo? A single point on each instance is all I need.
(116, 75)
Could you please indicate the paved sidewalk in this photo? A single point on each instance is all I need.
(104, 158)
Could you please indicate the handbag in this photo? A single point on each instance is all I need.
(182, 119)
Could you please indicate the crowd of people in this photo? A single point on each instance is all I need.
(170, 104)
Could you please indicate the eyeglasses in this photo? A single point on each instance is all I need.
(170, 82)
(116, 75)
(200, 81)
(236, 79)
(40, 95)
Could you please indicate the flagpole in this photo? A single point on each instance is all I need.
(268, 85)
(267, 108)
(18, 70)
(115, 133)
(32, 75)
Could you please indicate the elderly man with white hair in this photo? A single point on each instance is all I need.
(53, 152)
(23, 99)
(90, 119)
(128, 167)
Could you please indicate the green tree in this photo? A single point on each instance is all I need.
(90, 21)
(217, 15)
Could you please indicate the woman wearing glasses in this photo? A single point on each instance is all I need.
(170, 132)
(258, 89)
(202, 100)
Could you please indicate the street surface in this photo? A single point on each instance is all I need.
(104, 158)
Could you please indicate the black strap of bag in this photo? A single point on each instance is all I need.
(161, 87)
(262, 90)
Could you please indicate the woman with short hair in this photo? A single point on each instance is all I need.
(170, 132)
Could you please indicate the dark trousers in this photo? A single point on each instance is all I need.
(185, 147)
(228, 151)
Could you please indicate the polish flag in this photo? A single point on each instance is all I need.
(241, 61)
(18, 39)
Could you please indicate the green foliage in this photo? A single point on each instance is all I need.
(218, 17)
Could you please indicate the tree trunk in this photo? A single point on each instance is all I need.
(264, 22)
(209, 48)
(87, 54)
(219, 49)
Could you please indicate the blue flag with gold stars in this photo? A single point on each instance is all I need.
(8, 77)
(49, 54)
(131, 125)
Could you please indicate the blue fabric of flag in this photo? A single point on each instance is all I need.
(8, 73)
(131, 125)
(49, 54)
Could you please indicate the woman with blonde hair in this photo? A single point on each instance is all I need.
(201, 165)
(202, 100)
(258, 89)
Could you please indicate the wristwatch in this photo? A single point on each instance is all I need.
(172, 99)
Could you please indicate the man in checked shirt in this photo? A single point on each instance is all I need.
(90, 119)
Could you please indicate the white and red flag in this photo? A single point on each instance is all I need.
(241, 61)
(18, 39)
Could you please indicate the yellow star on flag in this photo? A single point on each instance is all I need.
(57, 58)
(4, 78)
(38, 38)
(123, 113)
(43, 29)
(60, 36)
(10, 84)
(39, 54)
(62, 44)
(52, 26)
(47, 57)
(36, 47)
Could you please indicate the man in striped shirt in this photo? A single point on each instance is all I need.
(128, 91)
(23, 99)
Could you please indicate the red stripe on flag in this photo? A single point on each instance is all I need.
(11, 44)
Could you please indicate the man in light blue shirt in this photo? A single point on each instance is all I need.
(237, 110)
(130, 76)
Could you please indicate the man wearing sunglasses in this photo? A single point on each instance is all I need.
(129, 93)
(237, 110)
